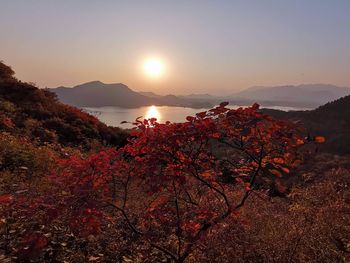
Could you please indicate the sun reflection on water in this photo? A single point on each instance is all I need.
(153, 112)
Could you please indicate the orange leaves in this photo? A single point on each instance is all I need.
(278, 173)
(278, 160)
(206, 174)
(216, 135)
(300, 142)
(275, 172)
(285, 169)
(320, 139)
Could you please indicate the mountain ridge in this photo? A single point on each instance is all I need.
(312, 94)
(99, 94)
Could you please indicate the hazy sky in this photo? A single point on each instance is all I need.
(207, 46)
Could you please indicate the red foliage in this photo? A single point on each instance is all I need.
(188, 177)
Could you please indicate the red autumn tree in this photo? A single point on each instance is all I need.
(173, 183)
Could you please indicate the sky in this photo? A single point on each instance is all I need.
(216, 47)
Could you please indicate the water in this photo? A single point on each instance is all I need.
(113, 116)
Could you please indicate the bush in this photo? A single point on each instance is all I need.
(166, 185)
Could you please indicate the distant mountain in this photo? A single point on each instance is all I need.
(312, 95)
(192, 100)
(98, 94)
(150, 94)
(199, 96)
(170, 100)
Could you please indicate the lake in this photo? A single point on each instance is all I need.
(113, 116)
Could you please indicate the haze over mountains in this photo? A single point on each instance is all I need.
(308, 94)
(98, 94)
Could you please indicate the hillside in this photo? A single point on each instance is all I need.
(36, 113)
(332, 120)
(310, 95)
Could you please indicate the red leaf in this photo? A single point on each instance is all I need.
(276, 172)
(255, 106)
(201, 114)
(189, 118)
(300, 142)
(320, 139)
(216, 135)
(278, 160)
(6, 198)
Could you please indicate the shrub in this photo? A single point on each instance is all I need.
(167, 183)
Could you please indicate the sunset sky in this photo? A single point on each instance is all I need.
(203, 46)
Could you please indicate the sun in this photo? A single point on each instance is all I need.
(153, 67)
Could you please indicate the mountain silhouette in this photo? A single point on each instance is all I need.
(98, 94)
